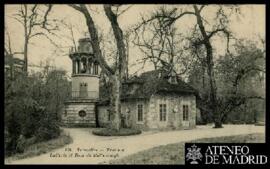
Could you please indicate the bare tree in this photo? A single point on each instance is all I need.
(235, 70)
(127, 41)
(117, 73)
(8, 51)
(70, 27)
(35, 23)
(162, 46)
(201, 41)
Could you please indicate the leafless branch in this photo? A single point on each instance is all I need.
(124, 10)
(76, 7)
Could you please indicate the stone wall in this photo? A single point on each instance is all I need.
(92, 83)
(174, 109)
(151, 119)
(103, 115)
(71, 117)
(132, 107)
(130, 111)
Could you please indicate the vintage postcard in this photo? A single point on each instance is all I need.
(135, 84)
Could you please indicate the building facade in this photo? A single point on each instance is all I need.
(154, 100)
(80, 110)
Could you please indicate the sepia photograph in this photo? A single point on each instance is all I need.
(110, 84)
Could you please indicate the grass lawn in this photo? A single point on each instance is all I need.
(174, 153)
(42, 147)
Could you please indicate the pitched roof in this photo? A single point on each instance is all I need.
(148, 83)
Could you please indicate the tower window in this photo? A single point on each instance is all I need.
(84, 66)
(95, 68)
(83, 90)
(90, 65)
(82, 113)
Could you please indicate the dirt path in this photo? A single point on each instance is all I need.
(91, 149)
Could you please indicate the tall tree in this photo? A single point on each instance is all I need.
(34, 24)
(162, 46)
(116, 74)
(241, 77)
(201, 40)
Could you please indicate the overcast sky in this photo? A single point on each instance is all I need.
(249, 25)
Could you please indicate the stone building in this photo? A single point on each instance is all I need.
(154, 100)
(81, 109)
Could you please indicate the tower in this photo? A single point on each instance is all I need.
(80, 109)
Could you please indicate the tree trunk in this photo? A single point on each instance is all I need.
(25, 51)
(116, 75)
(96, 117)
(121, 64)
(203, 77)
(11, 67)
(210, 65)
(127, 56)
(115, 107)
(213, 88)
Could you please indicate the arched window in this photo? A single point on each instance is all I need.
(73, 66)
(78, 66)
(95, 68)
(84, 62)
(90, 62)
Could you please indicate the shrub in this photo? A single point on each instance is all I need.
(33, 104)
(47, 132)
(112, 132)
(38, 148)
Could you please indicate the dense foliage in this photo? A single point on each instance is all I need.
(33, 105)
(240, 79)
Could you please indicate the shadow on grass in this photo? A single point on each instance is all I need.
(112, 132)
(174, 153)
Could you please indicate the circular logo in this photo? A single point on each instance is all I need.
(82, 113)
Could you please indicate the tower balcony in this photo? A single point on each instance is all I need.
(84, 94)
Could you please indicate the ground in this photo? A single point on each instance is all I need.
(175, 153)
(43, 147)
(91, 149)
